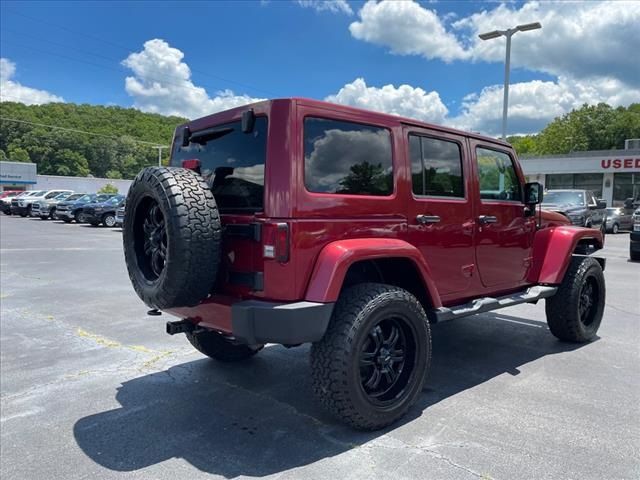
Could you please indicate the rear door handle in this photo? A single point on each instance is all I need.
(484, 219)
(426, 219)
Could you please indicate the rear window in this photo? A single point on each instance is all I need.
(232, 163)
(347, 158)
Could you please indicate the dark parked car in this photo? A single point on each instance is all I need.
(103, 213)
(120, 215)
(69, 211)
(581, 207)
(634, 245)
(619, 218)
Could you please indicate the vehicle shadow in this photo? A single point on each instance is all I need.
(259, 417)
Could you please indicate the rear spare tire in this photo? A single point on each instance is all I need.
(172, 237)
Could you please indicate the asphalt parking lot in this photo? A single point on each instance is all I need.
(92, 387)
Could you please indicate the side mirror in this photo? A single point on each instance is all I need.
(533, 193)
(601, 203)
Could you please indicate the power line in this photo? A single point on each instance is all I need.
(74, 130)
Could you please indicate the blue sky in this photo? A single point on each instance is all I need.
(75, 51)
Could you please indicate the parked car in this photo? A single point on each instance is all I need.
(103, 213)
(634, 237)
(70, 211)
(19, 203)
(23, 206)
(5, 200)
(354, 231)
(46, 208)
(619, 218)
(581, 207)
(120, 214)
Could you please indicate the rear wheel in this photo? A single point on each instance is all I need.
(370, 366)
(574, 313)
(216, 346)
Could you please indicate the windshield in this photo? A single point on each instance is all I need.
(75, 196)
(114, 200)
(86, 198)
(564, 198)
(62, 196)
(101, 198)
(37, 193)
(231, 162)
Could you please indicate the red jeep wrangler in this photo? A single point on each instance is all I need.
(293, 221)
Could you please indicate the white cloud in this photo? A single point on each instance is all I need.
(405, 100)
(162, 84)
(333, 6)
(12, 91)
(581, 39)
(532, 105)
(407, 29)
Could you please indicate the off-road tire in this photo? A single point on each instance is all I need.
(336, 376)
(214, 345)
(563, 309)
(193, 237)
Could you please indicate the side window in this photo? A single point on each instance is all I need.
(498, 179)
(436, 167)
(347, 158)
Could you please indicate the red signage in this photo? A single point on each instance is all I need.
(620, 163)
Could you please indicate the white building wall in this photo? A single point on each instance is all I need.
(78, 184)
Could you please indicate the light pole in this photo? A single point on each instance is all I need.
(508, 33)
(160, 147)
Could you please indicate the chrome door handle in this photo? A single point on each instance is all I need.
(484, 219)
(426, 219)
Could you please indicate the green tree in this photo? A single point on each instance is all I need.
(68, 162)
(115, 174)
(18, 154)
(108, 188)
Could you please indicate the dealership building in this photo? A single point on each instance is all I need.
(613, 175)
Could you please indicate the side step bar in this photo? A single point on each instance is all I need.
(487, 304)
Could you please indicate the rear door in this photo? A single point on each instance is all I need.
(504, 234)
(440, 221)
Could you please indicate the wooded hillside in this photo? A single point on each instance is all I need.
(118, 151)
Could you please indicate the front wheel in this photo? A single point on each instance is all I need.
(215, 346)
(574, 313)
(371, 364)
(109, 220)
(615, 228)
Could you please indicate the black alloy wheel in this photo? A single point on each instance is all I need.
(151, 245)
(387, 360)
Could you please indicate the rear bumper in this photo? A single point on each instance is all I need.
(255, 321)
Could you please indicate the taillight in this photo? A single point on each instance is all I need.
(276, 241)
(191, 164)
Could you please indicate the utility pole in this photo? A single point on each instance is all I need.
(160, 147)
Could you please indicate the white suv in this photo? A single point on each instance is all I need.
(23, 206)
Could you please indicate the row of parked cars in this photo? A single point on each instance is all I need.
(93, 208)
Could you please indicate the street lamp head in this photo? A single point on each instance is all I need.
(529, 26)
(490, 35)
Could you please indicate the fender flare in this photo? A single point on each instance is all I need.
(553, 248)
(335, 259)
